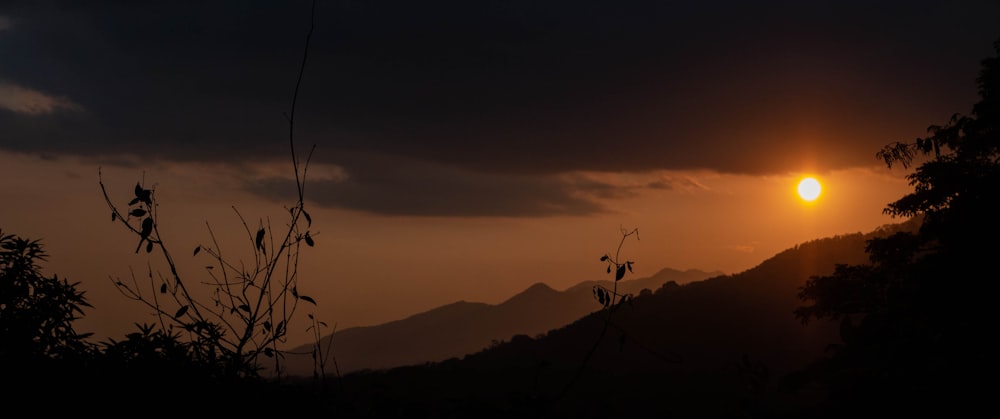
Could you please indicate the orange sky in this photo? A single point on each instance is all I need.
(466, 150)
(367, 269)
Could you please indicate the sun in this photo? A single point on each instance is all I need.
(809, 189)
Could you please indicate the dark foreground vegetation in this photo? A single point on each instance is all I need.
(893, 323)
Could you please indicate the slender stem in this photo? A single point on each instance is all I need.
(607, 319)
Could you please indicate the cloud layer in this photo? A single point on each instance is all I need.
(399, 186)
(25, 101)
(489, 98)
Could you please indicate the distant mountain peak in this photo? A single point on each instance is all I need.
(535, 291)
(538, 286)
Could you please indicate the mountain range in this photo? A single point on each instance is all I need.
(462, 327)
(723, 346)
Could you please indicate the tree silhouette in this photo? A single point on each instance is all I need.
(914, 320)
(36, 312)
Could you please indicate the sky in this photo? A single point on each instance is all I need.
(466, 150)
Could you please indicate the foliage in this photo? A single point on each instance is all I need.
(203, 352)
(910, 318)
(36, 311)
(610, 300)
(251, 302)
(956, 189)
(163, 353)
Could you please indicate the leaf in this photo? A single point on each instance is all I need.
(309, 299)
(267, 325)
(181, 311)
(196, 250)
(138, 189)
(609, 268)
(310, 316)
(309, 220)
(133, 201)
(309, 240)
(144, 195)
(629, 264)
(138, 212)
(604, 258)
(147, 227)
(149, 247)
(295, 292)
(269, 352)
(620, 273)
(245, 308)
(260, 238)
(163, 288)
(114, 216)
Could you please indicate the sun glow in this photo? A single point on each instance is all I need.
(809, 189)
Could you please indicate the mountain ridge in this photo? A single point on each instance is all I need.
(719, 347)
(460, 328)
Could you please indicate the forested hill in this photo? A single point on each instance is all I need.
(698, 348)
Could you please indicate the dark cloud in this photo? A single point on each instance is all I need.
(400, 186)
(502, 87)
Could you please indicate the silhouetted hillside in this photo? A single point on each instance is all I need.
(462, 328)
(721, 347)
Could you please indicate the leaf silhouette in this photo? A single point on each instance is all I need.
(114, 216)
(245, 308)
(163, 288)
(309, 299)
(196, 250)
(147, 228)
(309, 240)
(138, 190)
(260, 238)
(309, 220)
(149, 247)
(138, 212)
(146, 197)
(620, 273)
(604, 258)
(181, 311)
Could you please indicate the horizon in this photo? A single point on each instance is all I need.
(466, 154)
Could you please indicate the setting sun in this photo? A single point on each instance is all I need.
(809, 189)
